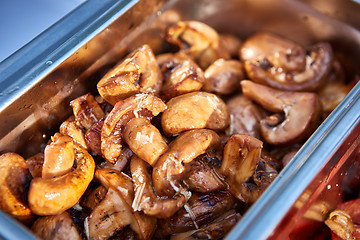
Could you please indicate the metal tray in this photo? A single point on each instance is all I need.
(38, 81)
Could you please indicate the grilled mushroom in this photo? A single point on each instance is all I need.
(181, 75)
(58, 227)
(137, 73)
(301, 110)
(285, 65)
(194, 110)
(51, 196)
(185, 148)
(139, 105)
(197, 40)
(14, 176)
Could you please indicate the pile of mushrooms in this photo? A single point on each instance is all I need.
(176, 145)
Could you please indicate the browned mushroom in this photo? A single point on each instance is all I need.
(194, 110)
(92, 199)
(301, 110)
(145, 198)
(137, 73)
(52, 196)
(142, 224)
(283, 64)
(245, 116)
(58, 227)
(186, 147)
(224, 76)
(231, 43)
(139, 105)
(200, 210)
(59, 156)
(93, 137)
(216, 230)
(145, 140)
(240, 160)
(86, 110)
(197, 40)
(35, 164)
(109, 217)
(181, 75)
(202, 176)
(14, 176)
(73, 130)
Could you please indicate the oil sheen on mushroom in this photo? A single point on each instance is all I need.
(297, 114)
(285, 65)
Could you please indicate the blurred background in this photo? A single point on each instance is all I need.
(23, 20)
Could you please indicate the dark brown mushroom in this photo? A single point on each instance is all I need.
(86, 110)
(35, 164)
(122, 161)
(194, 110)
(93, 137)
(181, 75)
(145, 140)
(200, 210)
(223, 76)
(139, 105)
(202, 174)
(137, 73)
(145, 198)
(216, 230)
(285, 65)
(185, 148)
(297, 114)
(245, 116)
(92, 198)
(58, 227)
(197, 40)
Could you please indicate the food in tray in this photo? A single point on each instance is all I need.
(176, 145)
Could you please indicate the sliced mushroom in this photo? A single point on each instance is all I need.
(137, 73)
(240, 160)
(58, 227)
(139, 105)
(285, 65)
(73, 130)
(245, 116)
(35, 164)
(202, 176)
(301, 110)
(181, 75)
(224, 76)
(93, 137)
(200, 210)
(14, 177)
(194, 110)
(142, 224)
(52, 196)
(59, 156)
(145, 140)
(145, 198)
(109, 217)
(93, 198)
(197, 40)
(231, 43)
(186, 147)
(216, 230)
(86, 110)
